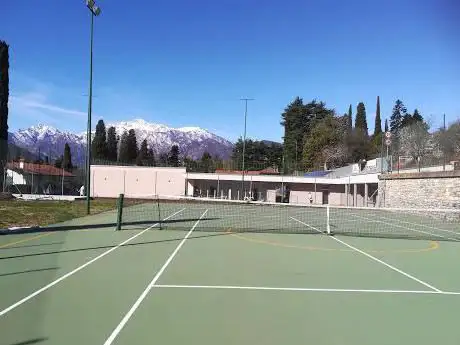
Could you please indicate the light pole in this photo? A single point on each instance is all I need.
(244, 140)
(95, 11)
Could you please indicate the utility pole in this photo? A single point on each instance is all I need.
(244, 140)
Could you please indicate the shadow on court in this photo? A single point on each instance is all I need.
(31, 341)
(146, 223)
(31, 245)
(29, 271)
(111, 246)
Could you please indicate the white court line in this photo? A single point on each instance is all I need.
(421, 225)
(79, 268)
(375, 259)
(404, 227)
(269, 288)
(136, 304)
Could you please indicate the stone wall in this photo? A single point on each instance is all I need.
(421, 190)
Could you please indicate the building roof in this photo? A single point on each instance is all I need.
(319, 173)
(266, 171)
(39, 169)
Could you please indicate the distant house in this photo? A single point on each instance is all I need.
(23, 177)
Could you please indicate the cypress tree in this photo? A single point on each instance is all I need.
(350, 119)
(67, 159)
(378, 120)
(4, 95)
(361, 121)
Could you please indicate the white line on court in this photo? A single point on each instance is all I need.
(403, 227)
(268, 288)
(79, 268)
(375, 259)
(144, 294)
(421, 225)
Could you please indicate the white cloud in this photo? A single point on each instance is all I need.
(35, 101)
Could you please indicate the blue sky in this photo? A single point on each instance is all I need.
(187, 63)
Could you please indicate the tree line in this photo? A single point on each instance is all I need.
(315, 137)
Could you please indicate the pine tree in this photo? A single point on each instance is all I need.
(123, 155)
(386, 125)
(143, 154)
(378, 120)
(99, 149)
(361, 121)
(67, 159)
(396, 119)
(350, 119)
(298, 119)
(406, 120)
(150, 158)
(409, 119)
(173, 156)
(326, 145)
(112, 144)
(398, 115)
(132, 148)
(416, 117)
(163, 159)
(4, 95)
(206, 163)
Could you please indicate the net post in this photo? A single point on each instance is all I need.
(120, 210)
(328, 220)
(159, 212)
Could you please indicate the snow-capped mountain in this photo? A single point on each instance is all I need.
(49, 141)
(192, 141)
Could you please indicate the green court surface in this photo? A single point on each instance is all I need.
(208, 282)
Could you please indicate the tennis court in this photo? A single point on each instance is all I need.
(204, 272)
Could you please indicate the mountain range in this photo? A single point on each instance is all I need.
(48, 141)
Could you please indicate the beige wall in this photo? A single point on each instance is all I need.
(136, 182)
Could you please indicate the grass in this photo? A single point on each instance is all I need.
(29, 213)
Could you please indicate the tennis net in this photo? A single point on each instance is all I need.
(217, 215)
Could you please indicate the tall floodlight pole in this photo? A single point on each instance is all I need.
(95, 11)
(244, 140)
